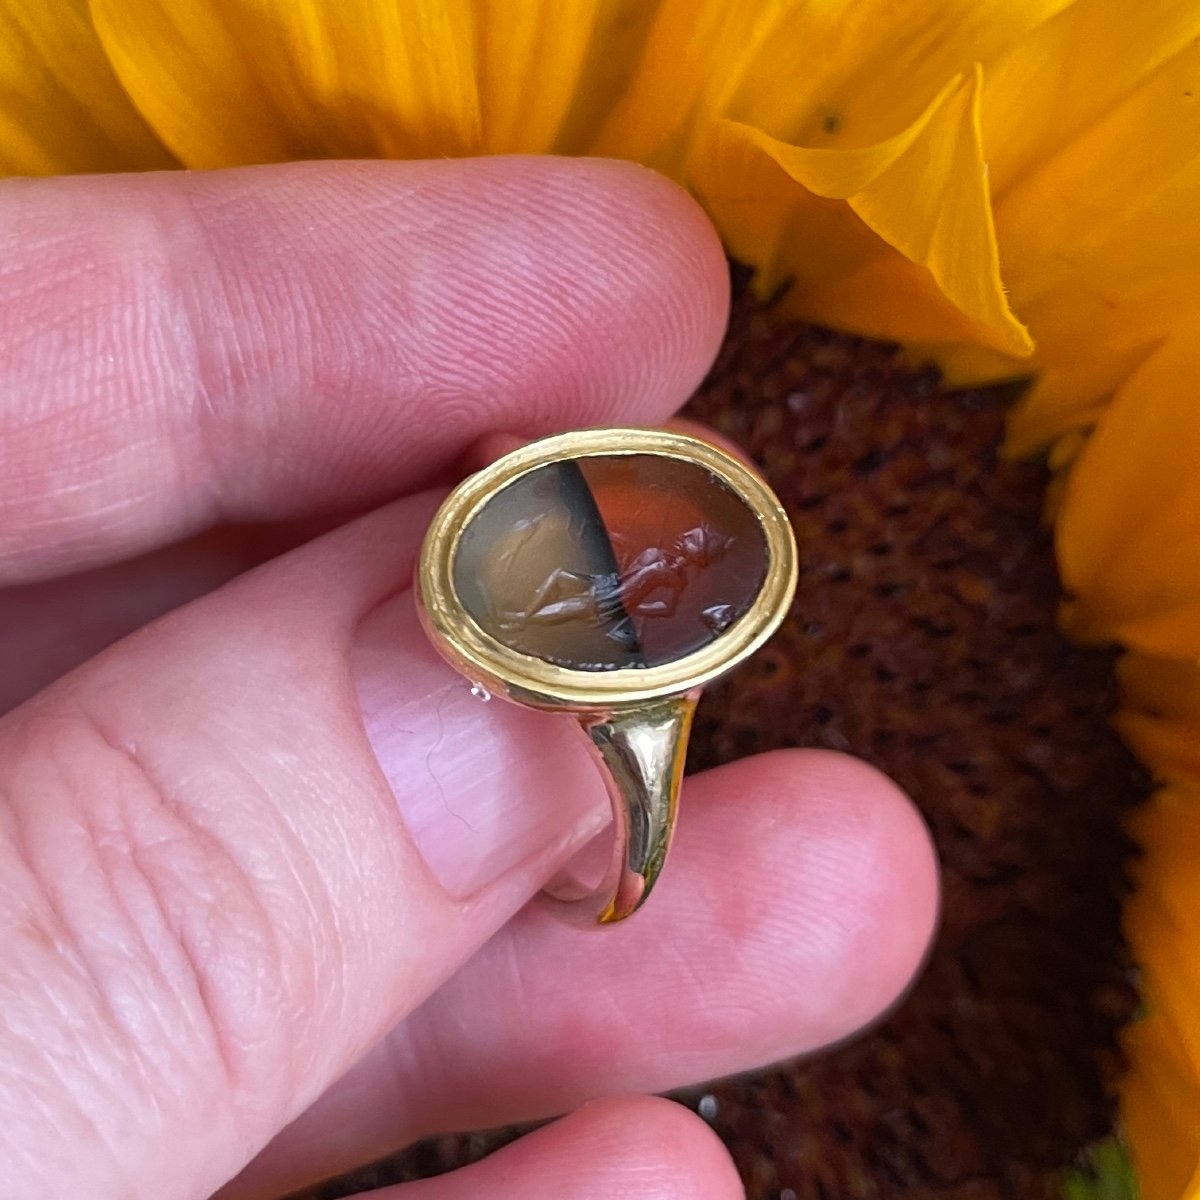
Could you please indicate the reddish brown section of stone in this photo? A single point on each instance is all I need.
(691, 555)
(611, 561)
(924, 640)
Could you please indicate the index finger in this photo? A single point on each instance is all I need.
(184, 350)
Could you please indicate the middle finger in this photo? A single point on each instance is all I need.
(796, 906)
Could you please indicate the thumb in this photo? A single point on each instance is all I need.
(233, 857)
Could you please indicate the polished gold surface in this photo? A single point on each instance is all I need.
(636, 719)
(538, 683)
(641, 752)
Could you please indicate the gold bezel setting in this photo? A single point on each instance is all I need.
(540, 684)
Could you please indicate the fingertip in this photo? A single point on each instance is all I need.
(640, 273)
(864, 880)
(677, 1152)
(678, 238)
(617, 1148)
(837, 917)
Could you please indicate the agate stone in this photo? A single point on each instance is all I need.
(611, 561)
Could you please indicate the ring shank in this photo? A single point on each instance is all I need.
(640, 750)
(637, 714)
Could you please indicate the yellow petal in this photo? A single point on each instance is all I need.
(693, 52)
(876, 107)
(1160, 716)
(886, 296)
(1160, 1108)
(1129, 531)
(1117, 202)
(844, 73)
(843, 173)
(1080, 364)
(967, 365)
(1058, 81)
(836, 268)
(63, 108)
(1161, 1096)
(549, 71)
(922, 192)
(1163, 916)
(933, 206)
(226, 82)
(1089, 126)
(832, 73)
(1100, 248)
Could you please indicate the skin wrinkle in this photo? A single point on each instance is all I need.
(448, 374)
(296, 879)
(455, 386)
(329, 984)
(379, 320)
(104, 840)
(115, 850)
(305, 338)
(59, 933)
(66, 943)
(91, 327)
(243, 1057)
(525, 292)
(238, 412)
(273, 972)
(40, 1106)
(248, 1082)
(199, 434)
(49, 346)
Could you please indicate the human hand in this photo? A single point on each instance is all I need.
(266, 861)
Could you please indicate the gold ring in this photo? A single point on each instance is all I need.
(610, 574)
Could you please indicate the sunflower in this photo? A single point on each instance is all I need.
(1007, 186)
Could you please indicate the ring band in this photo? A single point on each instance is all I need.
(610, 574)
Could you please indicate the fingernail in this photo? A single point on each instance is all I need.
(482, 785)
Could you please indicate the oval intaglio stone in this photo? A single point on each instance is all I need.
(610, 561)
